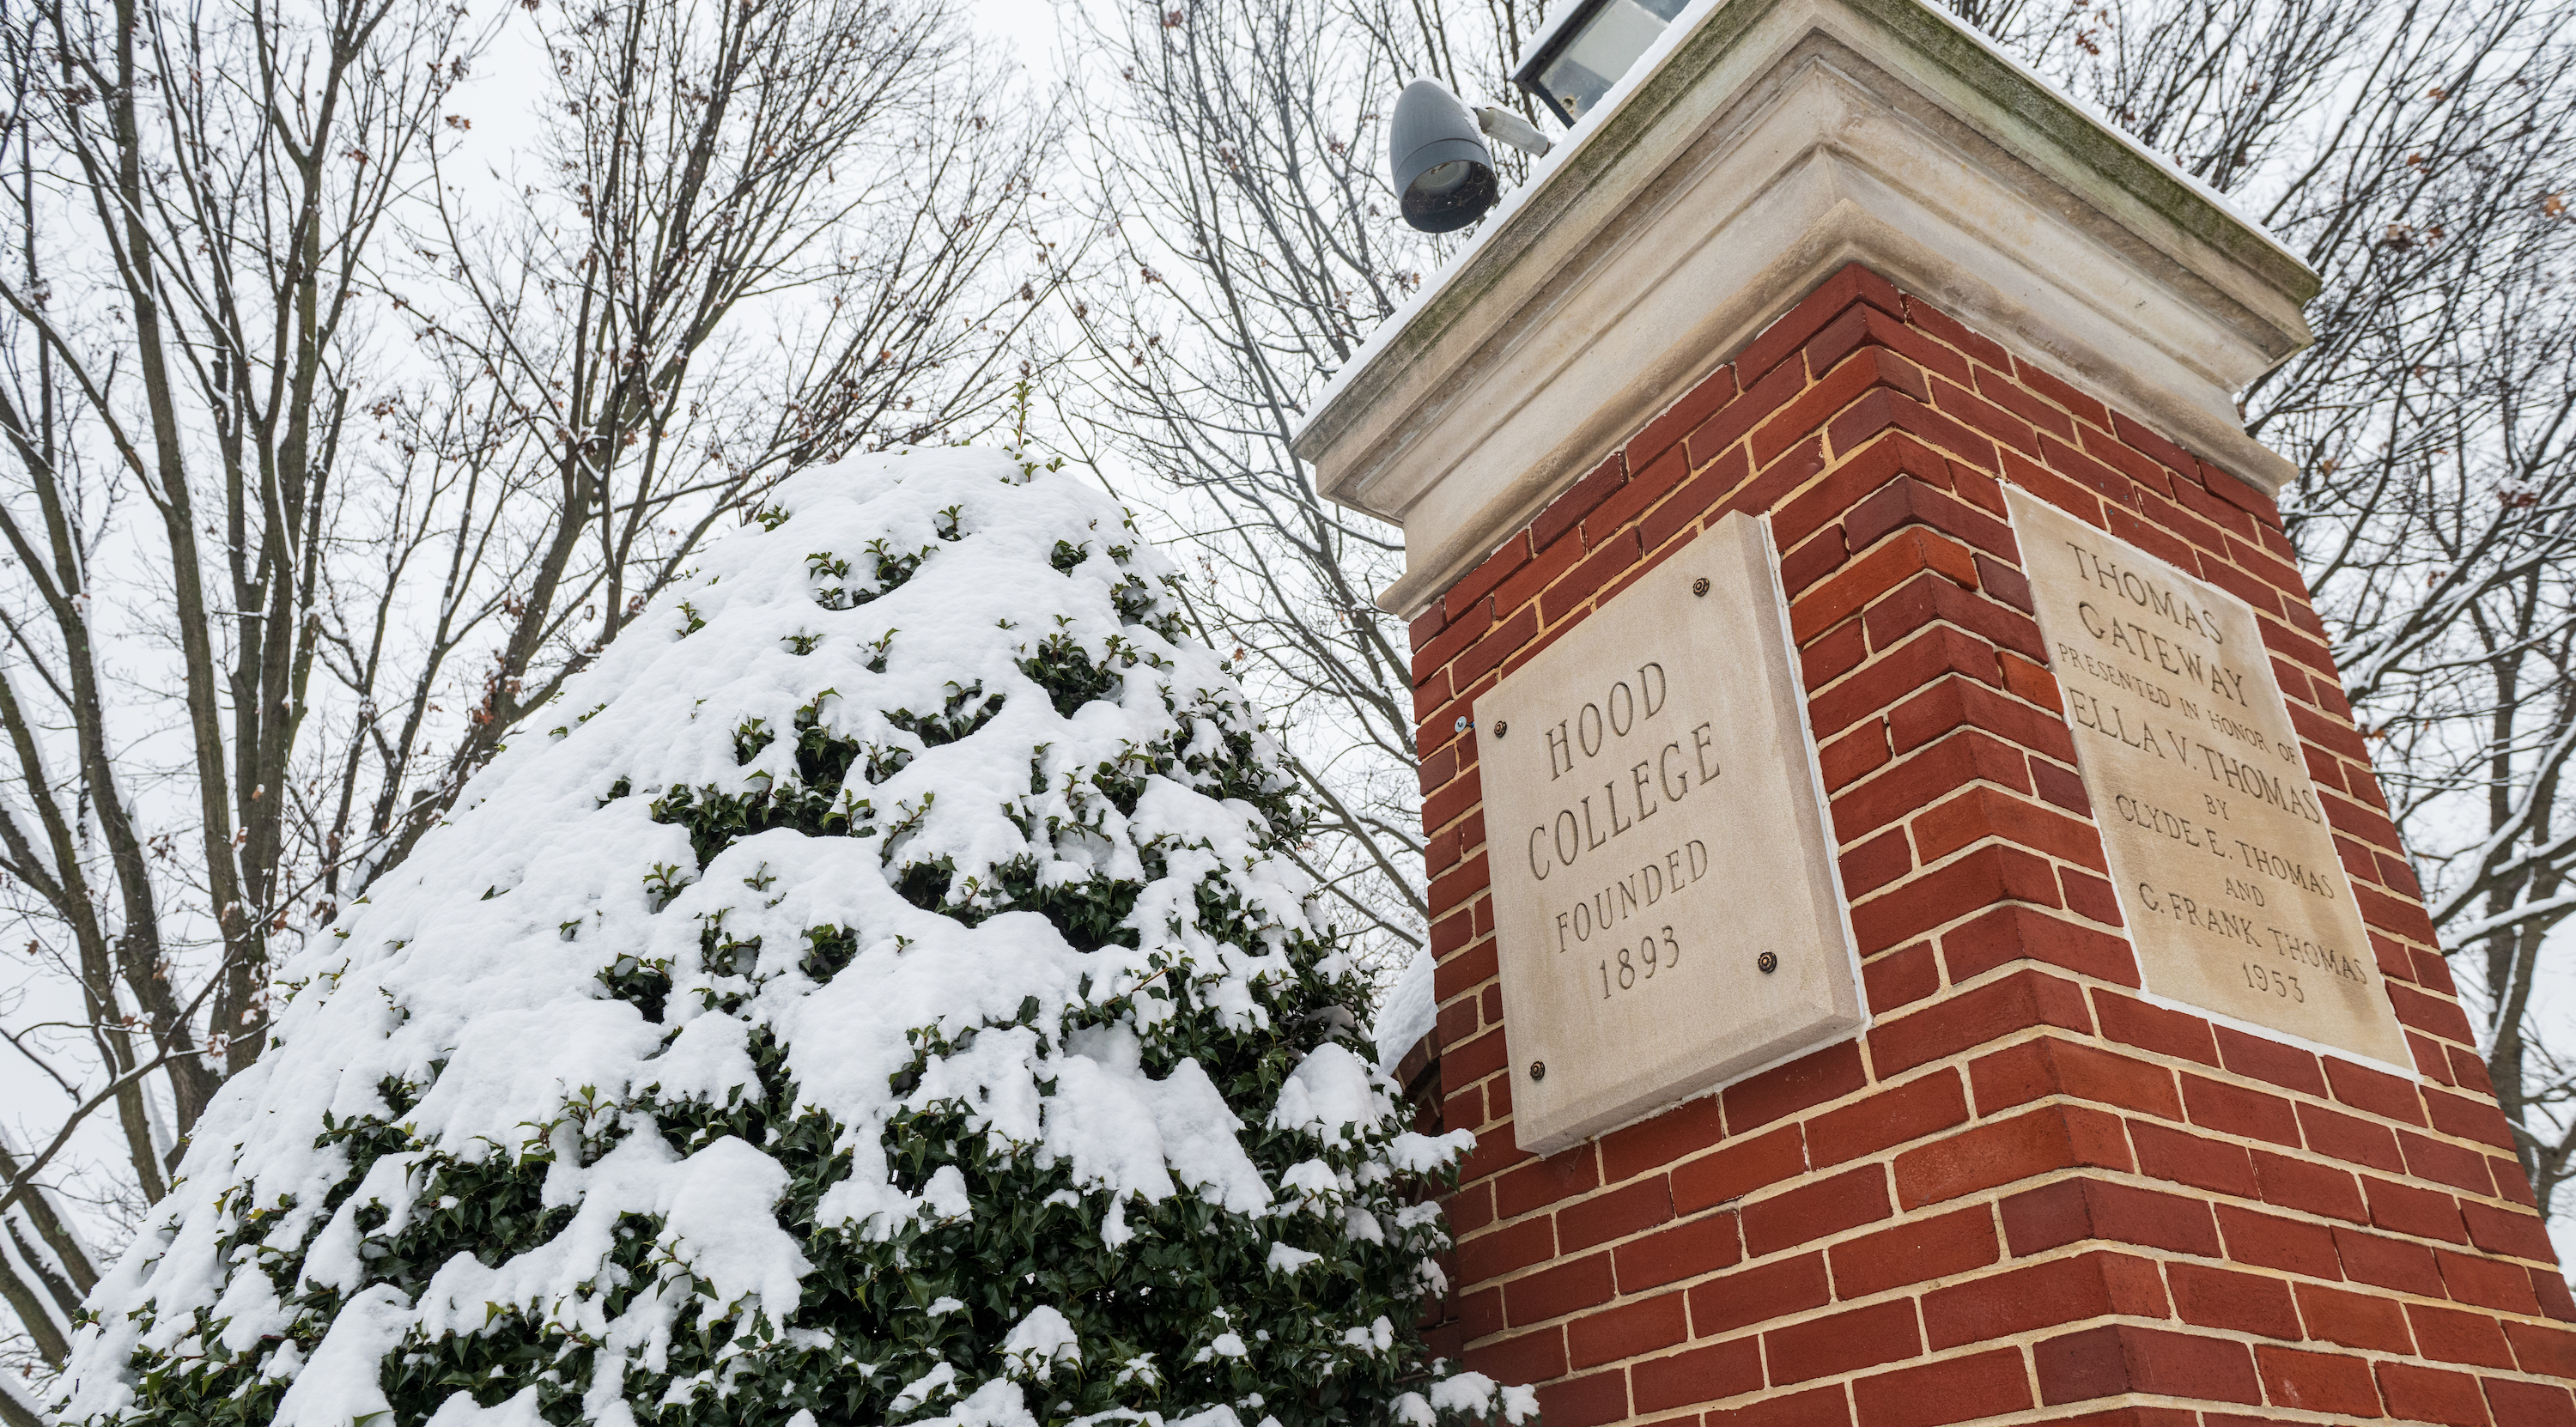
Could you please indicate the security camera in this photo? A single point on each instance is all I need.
(1442, 168)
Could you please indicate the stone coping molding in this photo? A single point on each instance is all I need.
(1776, 142)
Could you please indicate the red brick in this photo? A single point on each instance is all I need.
(2406, 1209)
(1567, 510)
(1537, 1185)
(1613, 1215)
(1466, 626)
(2270, 1241)
(1909, 553)
(1813, 1211)
(1479, 582)
(2508, 1231)
(2133, 1022)
(1490, 1256)
(2451, 1336)
(1530, 1357)
(2237, 1110)
(2541, 1348)
(1626, 1331)
(1926, 658)
(1584, 1401)
(2239, 1302)
(2487, 1283)
(2074, 1210)
(2039, 1142)
(1976, 814)
(1889, 1116)
(2262, 1058)
(2049, 1066)
(1854, 755)
(2530, 1404)
(1684, 1129)
(1915, 1252)
(1907, 501)
(1814, 1079)
(1991, 874)
(1843, 1342)
(1555, 1292)
(1647, 483)
(1877, 862)
(1868, 369)
(2432, 1395)
(1759, 1294)
(1990, 1012)
(1900, 978)
(1700, 1375)
(2092, 1285)
(1738, 1169)
(1964, 757)
(1469, 879)
(2466, 1117)
(2317, 1382)
(2350, 1138)
(2138, 437)
(2106, 1361)
(1799, 325)
(2388, 1263)
(1976, 1387)
(2085, 408)
(1686, 1250)
(1817, 1407)
(1929, 599)
(1716, 479)
(1963, 405)
(1955, 703)
(2315, 1188)
(2356, 1320)
(1611, 557)
(2010, 934)
(1948, 329)
(1676, 421)
(2455, 1165)
(2220, 1166)
(1852, 480)
(1490, 650)
(1861, 325)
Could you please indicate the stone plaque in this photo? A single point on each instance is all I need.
(1665, 893)
(2225, 865)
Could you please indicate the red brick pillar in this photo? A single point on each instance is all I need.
(2027, 1193)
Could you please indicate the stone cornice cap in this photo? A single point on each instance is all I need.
(1772, 142)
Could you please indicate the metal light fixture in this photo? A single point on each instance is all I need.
(1442, 169)
(1570, 66)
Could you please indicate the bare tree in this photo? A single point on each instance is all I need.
(766, 234)
(1238, 165)
(195, 196)
(326, 461)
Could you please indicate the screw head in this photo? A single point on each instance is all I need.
(1700, 585)
(1460, 726)
(1538, 1070)
(1501, 728)
(1768, 961)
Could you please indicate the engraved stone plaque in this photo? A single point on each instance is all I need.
(1665, 894)
(2225, 865)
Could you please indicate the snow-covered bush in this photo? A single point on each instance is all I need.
(873, 993)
